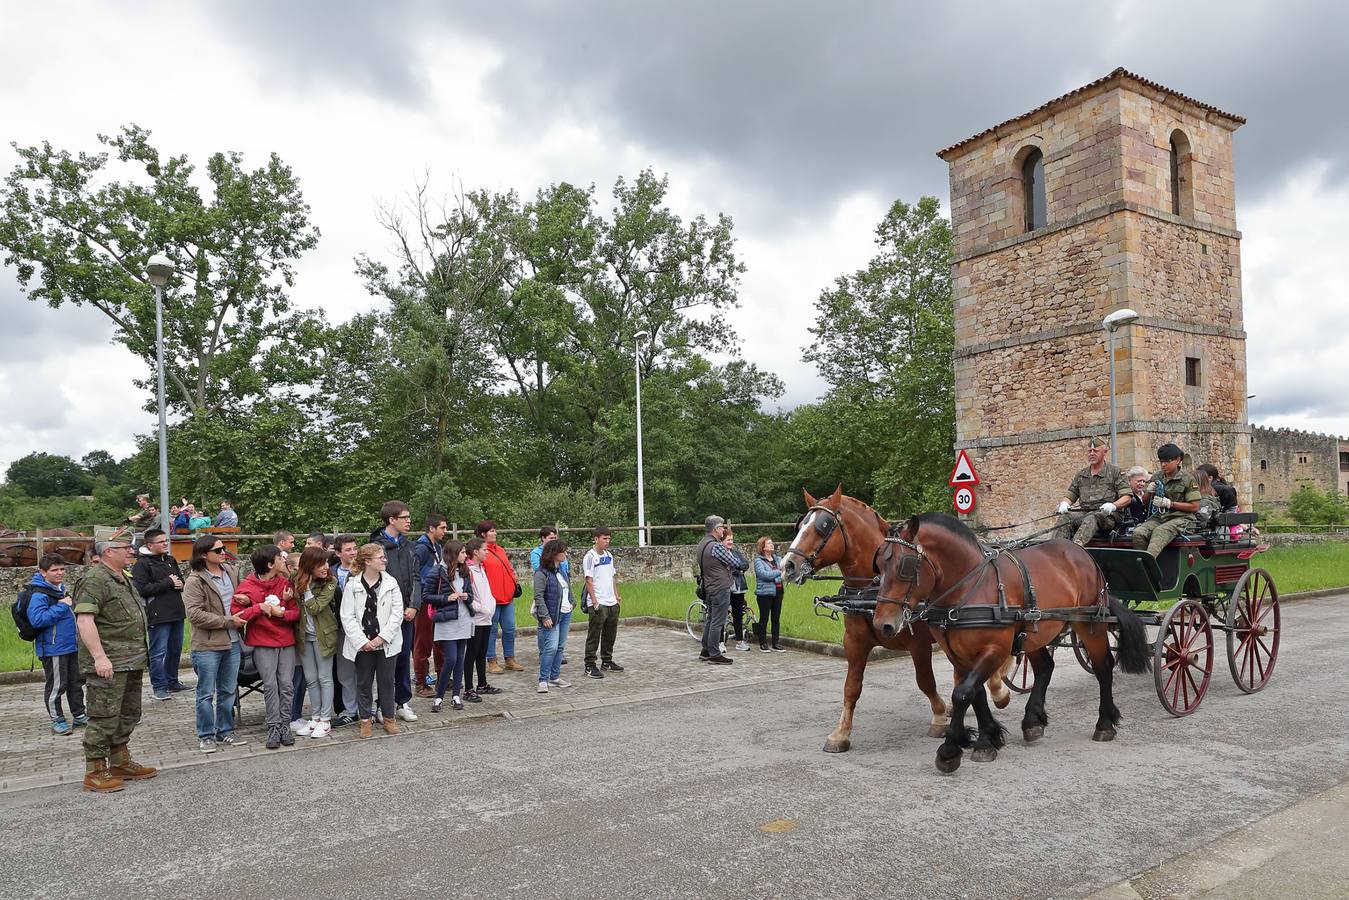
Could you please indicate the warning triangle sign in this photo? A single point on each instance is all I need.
(963, 473)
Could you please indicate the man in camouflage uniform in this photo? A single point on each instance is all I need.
(111, 624)
(1097, 492)
(1175, 496)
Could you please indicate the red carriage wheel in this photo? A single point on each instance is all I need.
(1182, 657)
(1253, 630)
(1022, 677)
(1080, 650)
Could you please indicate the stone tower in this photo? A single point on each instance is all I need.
(1116, 195)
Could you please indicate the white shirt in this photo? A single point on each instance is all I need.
(566, 594)
(599, 568)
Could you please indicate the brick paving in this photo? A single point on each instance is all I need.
(659, 661)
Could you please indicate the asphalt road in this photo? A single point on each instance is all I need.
(724, 793)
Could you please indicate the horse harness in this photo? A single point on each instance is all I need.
(826, 524)
(979, 615)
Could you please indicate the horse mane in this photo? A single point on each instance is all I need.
(951, 524)
(881, 522)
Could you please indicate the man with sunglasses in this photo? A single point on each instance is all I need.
(111, 624)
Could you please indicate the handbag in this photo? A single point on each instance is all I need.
(518, 591)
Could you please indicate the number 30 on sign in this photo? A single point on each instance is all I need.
(964, 500)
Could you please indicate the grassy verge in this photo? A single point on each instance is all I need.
(1293, 569)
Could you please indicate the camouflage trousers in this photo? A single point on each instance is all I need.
(1081, 527)
(1154, 534)
(114, 709)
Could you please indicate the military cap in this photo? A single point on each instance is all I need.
(1169, 451)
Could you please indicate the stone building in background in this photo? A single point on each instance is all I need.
(1285, 459)
(1116, 195)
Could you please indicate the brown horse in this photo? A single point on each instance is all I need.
(19, 548)
(843, 531)
(978, 603)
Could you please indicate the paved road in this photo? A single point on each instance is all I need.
(717, 793)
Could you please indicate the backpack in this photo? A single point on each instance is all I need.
(19, 610)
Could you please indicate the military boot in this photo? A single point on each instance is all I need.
(97, 778)
(123, 766)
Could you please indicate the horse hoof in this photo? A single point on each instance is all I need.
(833, 746)
(984, 754)
(1033, 734)
(936, 731)
(1103, 734)
(1001, 702)
(948, 766)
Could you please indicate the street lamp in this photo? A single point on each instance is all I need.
(159, 268)
(1117, 319)
(641, 487)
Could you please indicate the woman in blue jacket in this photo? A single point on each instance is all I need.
(768, 591)
(553, 609)
(51, 613)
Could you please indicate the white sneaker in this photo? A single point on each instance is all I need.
(742, 646)
(302, 727)
(559, 683)
(721, 648)
(406, 714)
(321, 729)
(543, 687)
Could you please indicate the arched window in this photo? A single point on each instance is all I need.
(1182, 203)
(1033, 188)
(1260, 489)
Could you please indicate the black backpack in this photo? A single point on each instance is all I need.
(19, 610)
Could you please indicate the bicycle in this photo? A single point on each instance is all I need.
(697, 614)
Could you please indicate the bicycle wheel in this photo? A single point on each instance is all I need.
(693, 619)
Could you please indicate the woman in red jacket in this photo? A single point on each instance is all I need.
(266, 602)
(505, 588)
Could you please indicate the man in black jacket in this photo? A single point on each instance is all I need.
(714, 566)
(402, 567)
(160, 582)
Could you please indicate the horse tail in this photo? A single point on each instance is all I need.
(1134, 648)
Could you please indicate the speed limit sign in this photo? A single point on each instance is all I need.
(964, 500)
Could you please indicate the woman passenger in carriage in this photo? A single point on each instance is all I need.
(1139, 506)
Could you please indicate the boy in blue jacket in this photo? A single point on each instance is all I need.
(51, 613)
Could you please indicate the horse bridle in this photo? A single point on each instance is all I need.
(825, 526)
(909, 565)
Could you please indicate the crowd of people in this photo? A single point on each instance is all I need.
(183, 516)
(1155, 508)
(340, 632)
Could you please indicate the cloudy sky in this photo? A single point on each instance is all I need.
(801, 120)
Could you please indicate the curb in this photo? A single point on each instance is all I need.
(824, 648)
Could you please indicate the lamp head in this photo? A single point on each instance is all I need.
(641, 335)
(159, 268)
(1118, 319)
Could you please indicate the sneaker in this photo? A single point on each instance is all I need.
(178, 687)
(321, 729)
(611, 666)
(559, 683)
(61, 726)
(430, 679)
(489, 689)
(594, 672)
(543, 688)
(273, 737)
(435, 704)
(287, 736)
(161, 693)
(472, 697)
(564, 661)
(80, 721)
(721, 648)
(456, 703)
(206, 745)
(229, 740)
(406, 714)
(741, 645)
(778, 648)
(721, 660)
(764, 648)
(343, 720)
(703, 655)
(302, 727)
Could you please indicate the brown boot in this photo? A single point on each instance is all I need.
(512, 665)
(365, 728)
(123, 766)
(494, 668)
(424, 691)
(390, 725)
(97, 778)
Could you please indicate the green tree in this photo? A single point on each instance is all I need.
(101, 464)
(1309, 506)
(884, 341)
(49, 475)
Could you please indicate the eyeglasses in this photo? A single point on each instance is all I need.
(404, 516)
(216, 550)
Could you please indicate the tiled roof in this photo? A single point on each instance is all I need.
(1118, 74)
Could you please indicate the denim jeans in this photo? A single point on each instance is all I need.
(452, 670)
(166, 651)
(504, 617)
(552, 641)
(217, 680)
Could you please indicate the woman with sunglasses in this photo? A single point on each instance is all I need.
(207, 593)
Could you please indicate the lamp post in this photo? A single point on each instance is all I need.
(1116, 320)
(159, 268)
(641, 487)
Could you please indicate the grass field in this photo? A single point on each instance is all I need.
(1293, 569)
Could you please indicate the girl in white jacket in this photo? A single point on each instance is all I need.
(372, 626)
